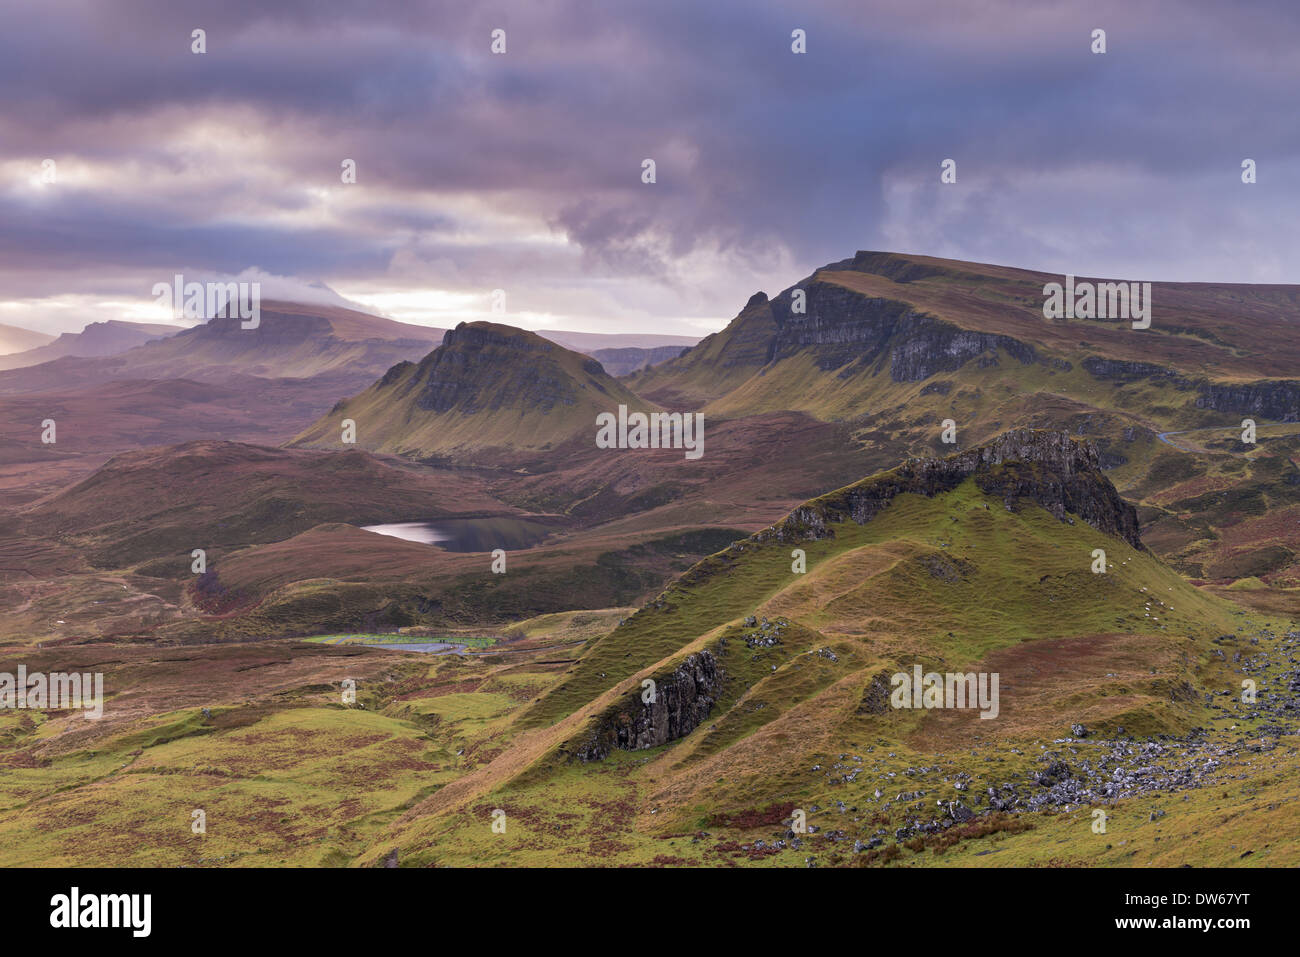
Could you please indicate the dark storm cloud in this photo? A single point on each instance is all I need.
(769, 163)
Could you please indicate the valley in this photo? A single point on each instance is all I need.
(356, 677)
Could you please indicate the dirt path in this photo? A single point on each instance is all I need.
(1164, 436)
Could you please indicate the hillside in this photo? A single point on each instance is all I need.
(1117, 692)
(96, 339)
(489, 390)
(1046, 469)
(885, 334)
(292, 341)
(892, 346)
(773, 687)
(16, 339)
(116, 387)
(157, 504)
(620, 362)
(913, 317)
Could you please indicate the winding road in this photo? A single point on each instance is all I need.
(1164, 436)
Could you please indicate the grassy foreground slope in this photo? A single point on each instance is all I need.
(259, 737)
(1117, 692)
(1120, 692)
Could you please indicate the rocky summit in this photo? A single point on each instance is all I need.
(1050, 469)
(488, 389)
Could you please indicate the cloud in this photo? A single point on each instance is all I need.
(477, 171)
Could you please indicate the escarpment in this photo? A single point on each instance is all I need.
(1125, 371)
(1270, 399)
(1050, 469)
(1276, 399)
(844, 327)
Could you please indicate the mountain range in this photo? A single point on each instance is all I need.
(96, 339)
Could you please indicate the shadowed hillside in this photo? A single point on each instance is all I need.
(487, 390)
(292, 340)
(96, 339)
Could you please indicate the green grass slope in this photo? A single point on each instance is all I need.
(954, 582)
(487, 387)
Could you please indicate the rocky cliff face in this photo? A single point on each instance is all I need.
(1125, 371)
(682, 700)
(842, 330)
(858, 328)
(1274, 399)
(1278, 399)
(1047, 468)
(843, 327)
(454, 376)
(622, 361)
(273, 330)
(491, 390)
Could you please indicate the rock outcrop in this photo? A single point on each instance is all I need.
(682, 700)
(1270, 399)
(630, 359)
(1125, 371)
(1275, 399)
(1050, 469)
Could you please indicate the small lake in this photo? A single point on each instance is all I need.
(433, 646)
(468, 534)
(427, 647)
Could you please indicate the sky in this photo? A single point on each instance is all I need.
(522, 171)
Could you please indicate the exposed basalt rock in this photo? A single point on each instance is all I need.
(451, 377)
(1046, 468)
(1111, 460)
(932, 346)
(1276, 399)
(845, 327)
(875, 698)
(392, 375)
(1131, 371)
(1269, 399)
(619, 362)
(682, 700)
(287, 329)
